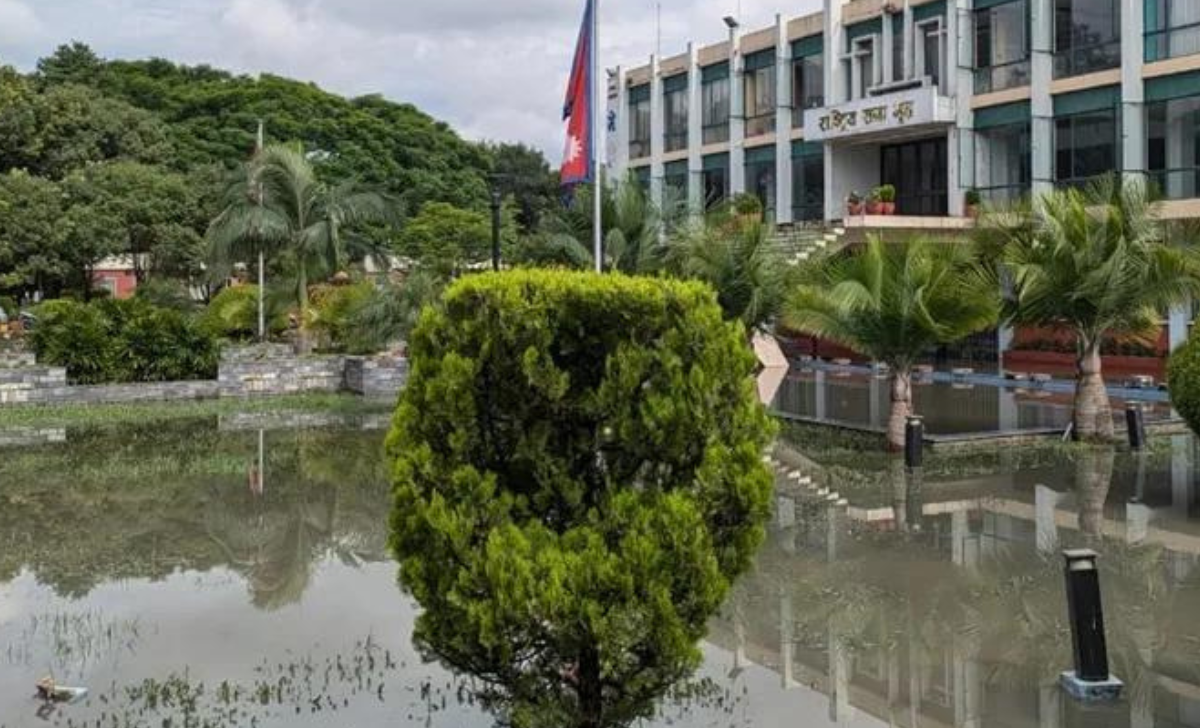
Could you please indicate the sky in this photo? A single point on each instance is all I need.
(494, 69)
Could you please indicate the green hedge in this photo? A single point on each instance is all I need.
(1183, 374)
(122, 341)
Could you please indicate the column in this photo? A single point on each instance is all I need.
(835, 92)
(695, 132)
(1009, 418)
(657, 130)
(619, 128)
(1041, 102)
(783, 123)
(910, 45)
(1178, 319)
(785, 640)
(887, 42)
(1045, 501)
(737, 115)
(1049, 705)
(960, 150)
(1133, 114)
(819, 393)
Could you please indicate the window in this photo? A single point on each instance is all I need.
(675, 187)
(931, 52)
(716, 180)
(808, 187)
(1173, 130)
(760, 179)
(1002, 47)
(862, 66)
(714, 103)
(675, 109)
(1085, 147)
(918, 172)
(898, 47)
(1087, 36)
(639, 122)
(1003, 170)
(1172, 28)
(808, 86)
(760, 93)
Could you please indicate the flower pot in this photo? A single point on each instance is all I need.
(854, 208)
(889, 208)
(874, 208)
(972, 211)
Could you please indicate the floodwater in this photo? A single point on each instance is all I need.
(209, 573)
(860, 400)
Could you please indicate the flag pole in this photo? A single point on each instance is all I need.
(262, 317)
(598, 119)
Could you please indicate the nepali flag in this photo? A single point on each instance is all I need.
(578, 155)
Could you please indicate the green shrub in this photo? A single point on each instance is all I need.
(578, 480)
(337, 312)
(122, 341)
(233, 314)
(1183, 376)
(166, 293)
(745, 203)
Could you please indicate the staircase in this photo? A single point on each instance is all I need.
(800, 244)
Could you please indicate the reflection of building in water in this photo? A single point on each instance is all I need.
(961, 621)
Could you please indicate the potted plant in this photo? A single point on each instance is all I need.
(887, 199)
(747, 207)
(874, 205)
(854, 204)
(972, 200)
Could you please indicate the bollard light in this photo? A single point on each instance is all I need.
(914, 441)
(1135, 422)
(1090, 680)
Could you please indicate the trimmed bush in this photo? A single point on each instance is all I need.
(578, 480)
(1183, 376)
(122, 341)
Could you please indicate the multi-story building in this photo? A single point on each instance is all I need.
(934, 97)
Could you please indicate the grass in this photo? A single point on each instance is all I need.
(105, 414)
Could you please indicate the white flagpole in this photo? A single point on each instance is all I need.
(598, 120)
(262, 316)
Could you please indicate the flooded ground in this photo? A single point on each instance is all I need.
(208, 573)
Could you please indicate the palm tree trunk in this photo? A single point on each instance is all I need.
(1093, 413)
(1093, 477)
(302, 343)
(901, 407)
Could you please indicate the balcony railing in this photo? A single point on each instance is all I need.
(759, 125)
(716, 133)
(1002, 76)
(1088, 59)
(1181, 40)
(673, 141)
(1181, 183)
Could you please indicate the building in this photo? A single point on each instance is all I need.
(117, 275)
(934, 97)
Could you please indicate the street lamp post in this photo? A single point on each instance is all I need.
(496, 200)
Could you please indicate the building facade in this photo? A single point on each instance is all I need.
(934, 97)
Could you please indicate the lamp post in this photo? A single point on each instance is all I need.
(497, 198)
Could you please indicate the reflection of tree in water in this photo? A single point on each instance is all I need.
(116, 503)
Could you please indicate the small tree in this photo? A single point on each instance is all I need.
(578, 479)
(1097, 263)
(893, 303)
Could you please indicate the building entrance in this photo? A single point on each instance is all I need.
(918, 172)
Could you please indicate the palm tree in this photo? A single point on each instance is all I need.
(893, 303)
(738, 258)
(283, 206)
(1096, 262)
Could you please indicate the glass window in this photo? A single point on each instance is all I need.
(808, 188)
(1172, 28)
(919, 173)
(1173, 130)
(808, 86)
(1003, 170)
(862, 78)
(1085, 146)
(760, 101)
(639, 125)
(898, 47)
(1002, 47)
(760, 182)
(1086, 36)
(675, 128)
(715, 110)
(931, 52)
(716, 186)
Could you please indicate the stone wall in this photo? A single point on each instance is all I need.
(272, 369)
(376, 376)
(112, 393)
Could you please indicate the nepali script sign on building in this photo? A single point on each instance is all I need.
(887, 112)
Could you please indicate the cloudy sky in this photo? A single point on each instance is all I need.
(495, 69)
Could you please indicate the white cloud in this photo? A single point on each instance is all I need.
(494, 69)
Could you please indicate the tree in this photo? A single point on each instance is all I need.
(739, 260)
(893, 303)
(1094, 262)
(450, 240)
(578, 478)
(32, 239)
(523, 174)
(73, 63)
(306, 220)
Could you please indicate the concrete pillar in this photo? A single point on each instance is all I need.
(619, 134)
(820, 391)
(839, 680)
(1049, 706)
(657, 131)
(1133, 107)
(1181, 481)
(835, 92)
(1041, 102)
(737, 115)
(886, 44)
(783, 123)
(961, 84)
(1009, 417)
(909, 57)
(1178, 319)
(968, 687)
(785, 640)
(695, 197)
